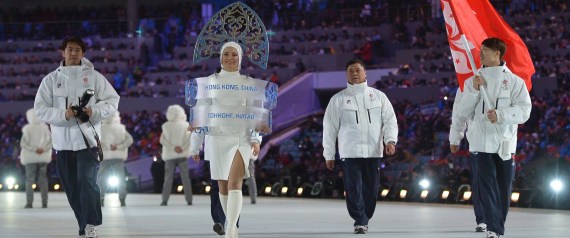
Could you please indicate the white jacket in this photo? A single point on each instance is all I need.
(510, 96)
(65, 86)
(114, 133)
(175, 133)
(363, 120)
(34, 136)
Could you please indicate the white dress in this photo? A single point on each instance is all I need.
(223, 143)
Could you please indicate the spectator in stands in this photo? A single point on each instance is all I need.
(363, 120)
(175, 141)
(115, 141)
(76, 144)
(492, 133)
(35, 155)
(229, 148)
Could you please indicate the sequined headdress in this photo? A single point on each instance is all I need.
(239, 23)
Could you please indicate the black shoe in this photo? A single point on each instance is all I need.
(28, 206)
(189, 203)
(163, 203)
(253, 201)
(481, 227)
(123, 202)
(219, 229)
(44, 205)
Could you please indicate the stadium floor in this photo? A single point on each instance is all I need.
(270, 217)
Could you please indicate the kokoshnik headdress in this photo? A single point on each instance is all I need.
(239, 23)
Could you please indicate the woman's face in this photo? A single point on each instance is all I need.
(230, 59)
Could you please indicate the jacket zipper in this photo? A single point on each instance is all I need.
(369, 119)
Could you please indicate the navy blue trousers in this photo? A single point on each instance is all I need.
(215, 206)
(476, 196)
(78, 173)
(495, 181)
(361, 183)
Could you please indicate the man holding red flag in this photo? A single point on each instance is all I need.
(492, 130)
(492, 115)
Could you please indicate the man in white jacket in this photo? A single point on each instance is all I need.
(35, 155)
(75, 141)
(115, 142)
(363, 120)
(492, 133)
(175, 141)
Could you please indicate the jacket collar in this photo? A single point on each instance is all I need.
(354, 89)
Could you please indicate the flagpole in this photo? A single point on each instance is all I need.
(475, 71)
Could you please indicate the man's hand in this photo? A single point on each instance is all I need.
(178, 149)
(196, 158)
(193, 129)
(113, 147)
(39, 151)
(255, 147)
(390, 149)
(69, 113)
(454, 148)
(478, 81)
(88, 111)
(264, 129)
(492, 115)
(330, 164)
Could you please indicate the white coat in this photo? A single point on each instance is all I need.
(65, 86)
(175, 133)
(510, 96)
(363, 120)
(35, 135)
(114, 133)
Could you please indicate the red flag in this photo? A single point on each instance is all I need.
(478, 20)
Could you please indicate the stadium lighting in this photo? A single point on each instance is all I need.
(556, 185)
(268, 190)
(424, 194)
(403, 193)
(424, 183)
(445, 194)
(284, 190)
(384, 192)
(179, 188)
(299, 191)
(467, 195)
(34, 186)
(113, 181)
(208, 189)
(56, 186)
(515, 197)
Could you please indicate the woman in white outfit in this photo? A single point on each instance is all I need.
(35, 155)
(115, 142)
(175, 143)
(228, 148)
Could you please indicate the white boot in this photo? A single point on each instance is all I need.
(235, 200)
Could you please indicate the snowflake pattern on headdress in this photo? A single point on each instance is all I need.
(236, 22)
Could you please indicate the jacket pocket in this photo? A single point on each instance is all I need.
(60, 98)
(349, 113)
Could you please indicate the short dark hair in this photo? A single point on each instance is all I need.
(76, 40)
(496, 44)
(355, 61)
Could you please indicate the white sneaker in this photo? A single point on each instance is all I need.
(90, 231)
(481, 227)
(491, 234)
